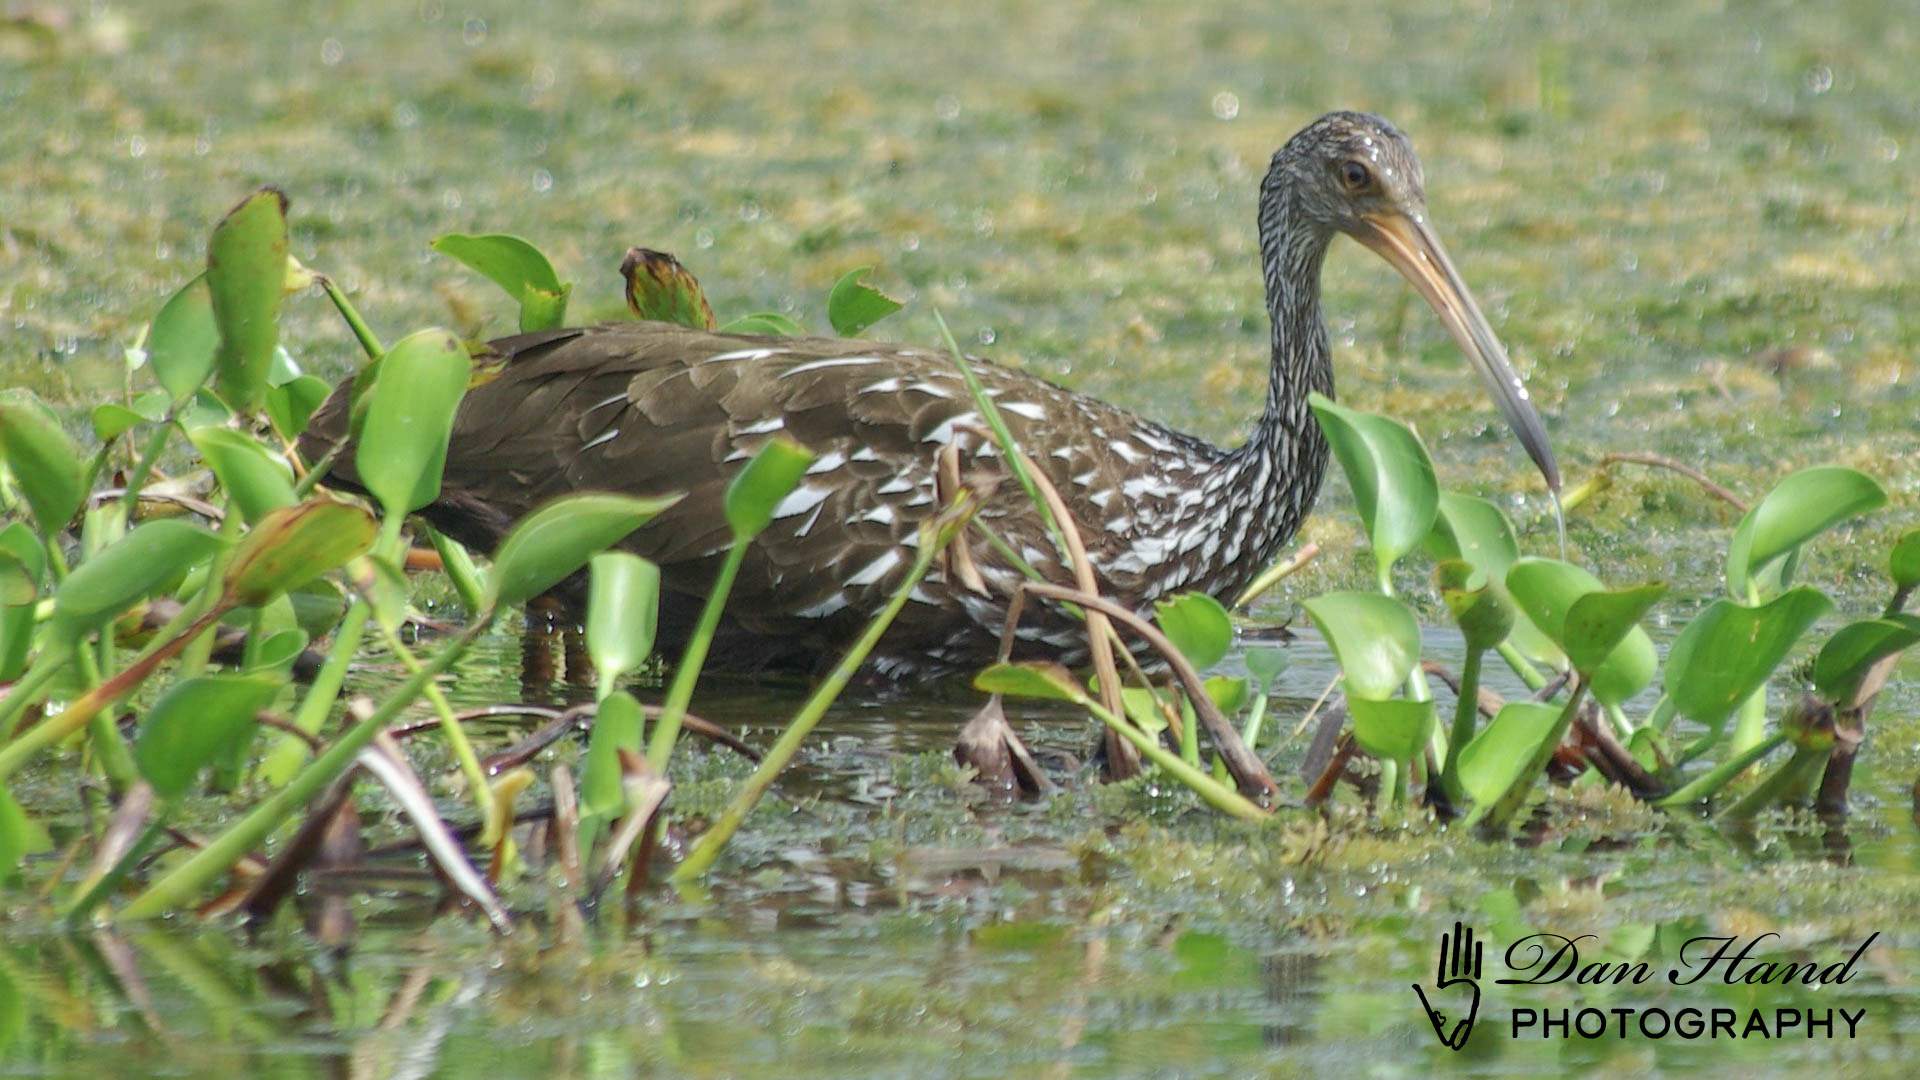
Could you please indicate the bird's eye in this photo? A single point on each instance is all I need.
(1356, 176)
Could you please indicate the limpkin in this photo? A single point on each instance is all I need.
(650, 408)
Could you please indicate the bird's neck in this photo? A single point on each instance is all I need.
(1270, 483)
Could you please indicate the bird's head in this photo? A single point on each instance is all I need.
(1355, 173)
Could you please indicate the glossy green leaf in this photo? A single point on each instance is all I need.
(1854, 649)
(768, 323)
(410, 410)
(46, 465)
(204, 409)
(1390, 474)
(1903, 563)
(1799, 508)
(20, 836)
(1032, 679)
(853, 305)
(517, 267)
(1479, 606)
(1500, 755)
(293, 545)
(1139, 706)
(292, 404)
(1198, 626)
(1374, 637)
(153, 555)
(1598, 628)
(256, 481)
(317, 607)
(623, 611)
(661, 289)
(1728, 652)
(111, 421)
(1474, 531)
(758, 489)
(246, 275)
(1393, 730)
(279, 651)
(616, 726)
(197, 723)
(1228, 692)
(559, 538)
(1265, 663)
(19, 584)
(183, 339)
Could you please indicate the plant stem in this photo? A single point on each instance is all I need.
(27, 692)
(1466, 717)
(667, 729)
(1521, 665)
(706, 849)
(361, 332)
(1799, 771)
(1709, 783)
(186, 879)
(143, 468)
(458, 563)
(280, 762)
(450, 725)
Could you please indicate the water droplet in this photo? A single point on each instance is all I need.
(450, 198)
(1819, 79)
(542, 181)
(332, 51)
(987, 336)
(405, 115)
(137, 147)
(432, 10)
(703, 239)
(474, 32)
(910, 242)
(947, 107)
(1226, 105)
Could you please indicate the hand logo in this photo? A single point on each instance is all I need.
(1459, 965)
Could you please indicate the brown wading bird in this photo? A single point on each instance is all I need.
(650, 408)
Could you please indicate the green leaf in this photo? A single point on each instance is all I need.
(616, 726)
(1854, 649)
(1478, 533)
(1031, 679)
(1198, 626)
(853, 305)
(1374, 637)
(1480, 607)
(1498, 757)
(183, 339)
(19, 547)
(517, 267)
(199, 722)
(317, 607)
(246, 278)
(1265, 663)
(557, 539)
(1596, 627)
(20, 836)
(410, 410)
(1799, 508)
(623, 611)
(139, 564)
(1394, 730)
(111, 421)
(661, 289)
(258, 482)
(756, 492)
(292, 404)
(1228, 692)
(279, 651)
(295, 544)
(1139, 706)
(767, 323)
(46, 464)
(1390, 474)
(1728, 652)
(1903, 563)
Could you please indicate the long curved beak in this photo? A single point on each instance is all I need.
(1409, 245)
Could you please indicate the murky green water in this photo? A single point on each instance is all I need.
(1659, 205)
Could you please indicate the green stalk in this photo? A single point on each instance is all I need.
(362, 333)
(1710, 782)
(667, 729)
(450, 726)
(467, 578)
(143, 468)
(1662, 715)
(1803, 768)
(1466, 717)
(190, 877)
(1496, 818)
(1004, 437)
(97, 891)
(291, 752)
(706, 849)
(1521, 665)
(1250, 732)
(1750, 721)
